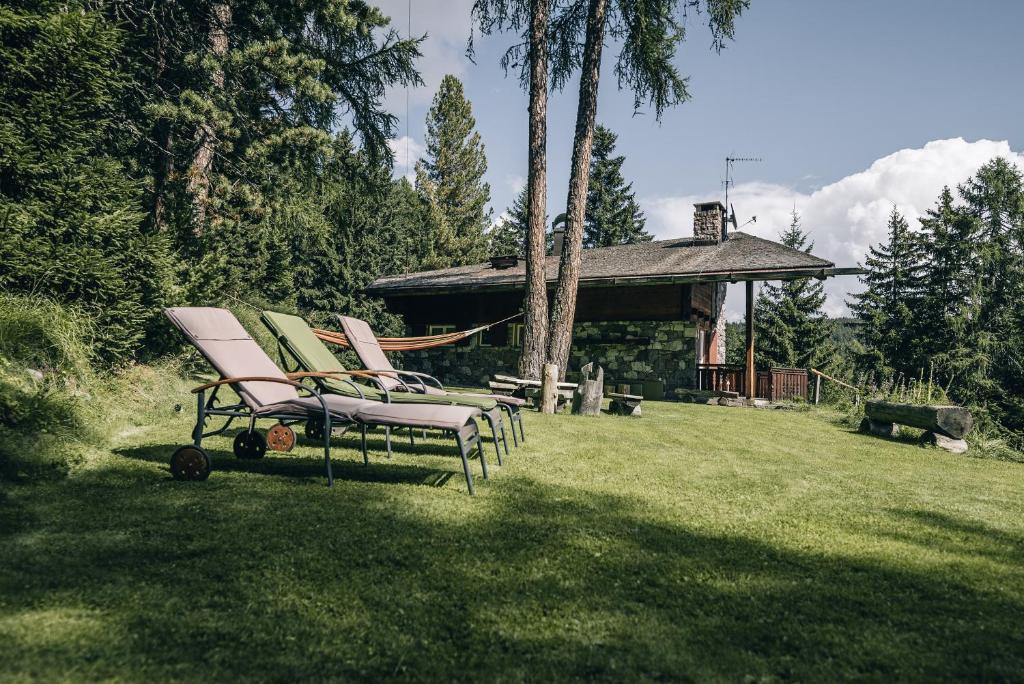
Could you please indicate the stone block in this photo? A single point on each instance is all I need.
(955, 446)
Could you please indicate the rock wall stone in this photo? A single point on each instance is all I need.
(659, 354)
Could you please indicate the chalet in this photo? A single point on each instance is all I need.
(651, 314)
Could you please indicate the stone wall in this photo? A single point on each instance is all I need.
(659, 353)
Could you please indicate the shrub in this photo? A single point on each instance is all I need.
(44, 376)
(70, 211)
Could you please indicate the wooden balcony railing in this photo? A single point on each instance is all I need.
(776, 384)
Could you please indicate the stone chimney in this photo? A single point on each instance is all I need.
(558, 234)
(709, 221)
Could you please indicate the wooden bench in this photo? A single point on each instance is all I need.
(624, 404)
(944, 426)
(530, 389)
(503, 388)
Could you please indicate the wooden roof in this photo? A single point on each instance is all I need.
(682, 260)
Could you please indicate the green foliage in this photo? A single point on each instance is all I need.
(945, 302)
(613, 216)
(888, 310)
(105, 112)
(790, 328)
(44, 374)
(70, 213)
(508, 236)
(648, 33)
(450, 179)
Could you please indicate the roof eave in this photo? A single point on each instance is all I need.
(820, 272)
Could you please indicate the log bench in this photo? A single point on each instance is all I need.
(944, 426)
(529, 389)
(624, 404)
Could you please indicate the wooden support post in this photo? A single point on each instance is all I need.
(817, 389)
(549, 389)
(750, 374)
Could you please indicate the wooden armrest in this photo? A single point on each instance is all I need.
(370, 373)
(254, 378)
(337, 375)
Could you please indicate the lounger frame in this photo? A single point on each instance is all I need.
(466, 437)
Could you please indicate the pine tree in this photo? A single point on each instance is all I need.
(995, 197)
(450, 178)
(950, 311)
(648, 33)
(791, 329)
(613, 216)
(230, 97)
(70, 214)
(508, 236)
(889, 309)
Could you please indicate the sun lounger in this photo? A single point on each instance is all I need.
(265, 392)
(302, 350)
(364, 343)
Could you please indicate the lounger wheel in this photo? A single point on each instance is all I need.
(280, 438)
(250, 445)
(190, 463)
(315, 429)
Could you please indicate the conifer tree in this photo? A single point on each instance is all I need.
(889, 309)
(70, 215)
(791, 329)
(508, 236)
(950, 312)
(648, 33)
(613, 216)
(450, 178)
(995, 197)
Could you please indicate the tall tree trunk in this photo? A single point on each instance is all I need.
(202, 161)
(535, 329)
(564, 308)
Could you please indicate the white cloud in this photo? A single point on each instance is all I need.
(516, 183)
(406, 151)
(845, 217)
(447, 24)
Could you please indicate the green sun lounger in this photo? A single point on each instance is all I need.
(296, 341)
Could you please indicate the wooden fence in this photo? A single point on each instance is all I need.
(776, 384)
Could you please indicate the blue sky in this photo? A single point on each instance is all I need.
(853, 106)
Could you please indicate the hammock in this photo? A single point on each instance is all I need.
(410, 343)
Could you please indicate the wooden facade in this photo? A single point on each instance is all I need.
(682, 302)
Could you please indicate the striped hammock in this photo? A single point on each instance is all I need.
(400, 344)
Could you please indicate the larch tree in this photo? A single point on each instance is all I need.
(648, 34)
(791, 328)
(532, 58)
(450, 178)
(613, 216)
(889, 307)
(228, 95)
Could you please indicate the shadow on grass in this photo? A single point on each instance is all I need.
(968, 538)
(301, 467)
(531, 581)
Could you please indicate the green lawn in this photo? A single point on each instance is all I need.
(695, 543)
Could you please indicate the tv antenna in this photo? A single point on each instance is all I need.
(729, 161)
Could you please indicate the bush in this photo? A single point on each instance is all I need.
(70, 210)
(44, 374)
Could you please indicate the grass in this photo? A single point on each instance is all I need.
(695, 543)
